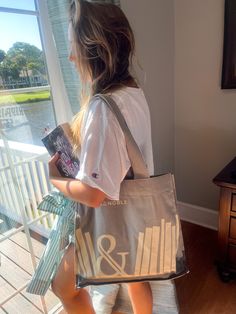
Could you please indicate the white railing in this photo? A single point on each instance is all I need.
(30, 177)
(23, 182)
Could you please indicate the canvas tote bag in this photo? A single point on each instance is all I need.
(136, 238)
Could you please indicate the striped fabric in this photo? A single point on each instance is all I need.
(58, 16)
(58, 240)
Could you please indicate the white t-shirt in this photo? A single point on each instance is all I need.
(104, 161)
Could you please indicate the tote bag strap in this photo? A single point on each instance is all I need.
(136, 159)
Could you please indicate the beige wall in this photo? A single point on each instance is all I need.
(193, 120)
(205, 115)
(153, 25)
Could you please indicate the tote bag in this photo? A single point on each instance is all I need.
(135, 238)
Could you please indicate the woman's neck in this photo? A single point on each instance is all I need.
(130, 82)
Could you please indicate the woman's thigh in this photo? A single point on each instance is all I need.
(64, 281)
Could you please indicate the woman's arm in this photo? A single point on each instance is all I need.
(73, 188)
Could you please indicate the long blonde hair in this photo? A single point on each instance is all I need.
(104, 47)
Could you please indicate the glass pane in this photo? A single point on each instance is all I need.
(18, 4)
(18, 28)
(26, 115)
(26, 110)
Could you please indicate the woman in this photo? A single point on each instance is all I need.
(102, 46)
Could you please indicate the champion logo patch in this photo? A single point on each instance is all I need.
(95, 175)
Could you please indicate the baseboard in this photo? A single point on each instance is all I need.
(198, 215)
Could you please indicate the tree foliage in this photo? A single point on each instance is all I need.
(2, 55)
(21, 59)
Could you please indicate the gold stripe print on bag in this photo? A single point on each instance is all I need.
(156, 253)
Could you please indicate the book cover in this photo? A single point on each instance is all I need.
(59, 140)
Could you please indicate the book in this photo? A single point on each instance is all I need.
(59, 140)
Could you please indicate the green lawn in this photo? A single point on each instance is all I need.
(24, 97)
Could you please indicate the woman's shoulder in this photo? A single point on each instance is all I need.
(131, 98)
(128, 99)
(128, 92)
(119, 93)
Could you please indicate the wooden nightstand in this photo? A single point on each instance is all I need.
(226, 261)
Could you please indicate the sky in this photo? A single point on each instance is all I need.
(18, 27)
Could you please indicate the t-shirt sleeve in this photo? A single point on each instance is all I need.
(104, 161)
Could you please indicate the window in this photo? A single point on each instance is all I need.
(16, 4)
(30, 86)
(26, 107)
